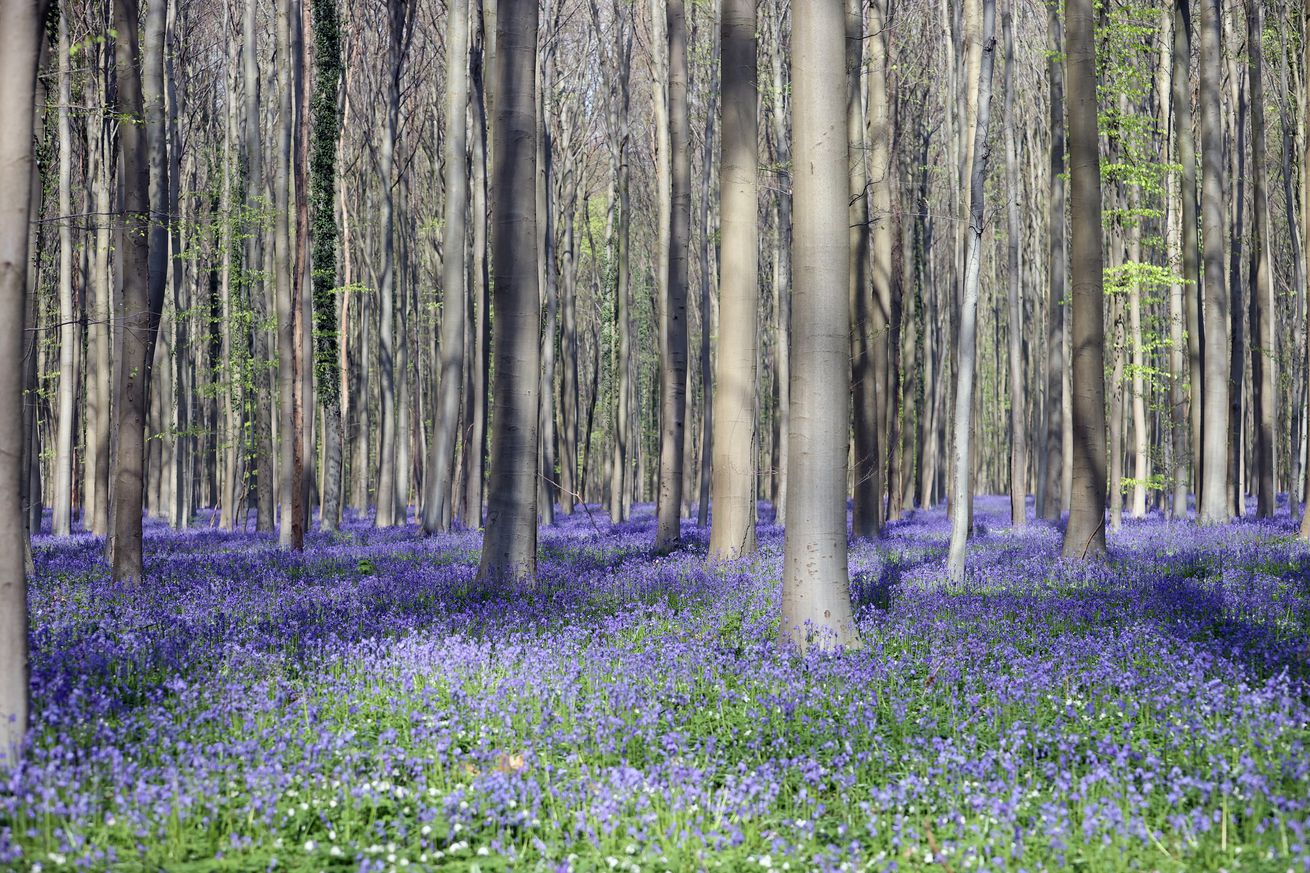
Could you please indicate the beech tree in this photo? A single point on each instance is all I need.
(733, 532)
(1084, 537)
(816, 605)
(509, 549)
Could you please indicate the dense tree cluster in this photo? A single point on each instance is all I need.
(477, 262)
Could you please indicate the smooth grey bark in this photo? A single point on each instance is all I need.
(548, 284)
(509, 550)
(399, 14)
(708, 313)
(475, 403)
(1305, 242)
(100, 306)
(866, 500)
(232, 436)
(19, 34)
(782, 243)
(1185, 155)
(1014, 299)
(732, 534)
(136, 317)
(436, 511)
(1236, 112)
(1213, 504)
(1263, 347)
(257, 204)
(882, 267)
(62, 516)
(961, 467)
(673, 369)
(1053, 460)
(1084, 537)
(282, 278)
(816, 604)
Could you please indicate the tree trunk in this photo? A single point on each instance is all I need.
(866, 500)
(323, 176)
(1305, 242)
(62, 519)
(139, 321)
(816, 605)
(962, 467)
(1214, 462)
(20, 25)
(1085, 535)
(732, 534)
(782, 246)
(1263, 348)
(1053, 458)
(257, 204)
(1018, 415)
(476, 400)
(509, 550)
(388, 474)
(436, 510)
(98, 340)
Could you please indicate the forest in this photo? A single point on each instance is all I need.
(654, 435)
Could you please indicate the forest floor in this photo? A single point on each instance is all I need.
(368, 706)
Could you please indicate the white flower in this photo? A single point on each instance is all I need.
(310, 845)
(425, 830)
(766, 861)
(484, 851)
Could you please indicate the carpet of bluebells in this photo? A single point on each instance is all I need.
(370, 706)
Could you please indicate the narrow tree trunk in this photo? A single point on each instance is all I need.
(782, 247)
(962, 467)
(138, 321)
(882, 231)
(733, 532)
(509, 550)
(1018, 415)
(866, 497)
(436, 510)
(476, 399)
(1214, 462)
(19, 33)
(323, 176)
(1263, 348)
(98, 340)
(388, 474)
(1054, 459)
(1085, 535)
(1305, 242)
(816, 605)
(62, 519)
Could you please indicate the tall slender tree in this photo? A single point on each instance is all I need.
(1214, 460)
(1084, 537)
(962, 466)
(441, 461)
(1053, 460)
(323, 178)
(62, 517)
(816, 604)
(732, 534)
(20, 27)
(138, 321)
(1263, 351)
(1014, 299)
(673, 372)
(509, 550)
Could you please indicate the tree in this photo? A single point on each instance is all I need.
(1263, 351)
(140, 318)
(399, 16)
(509, 548)
(441, 461)
(962, 467)
(1185, 153)
(732, 534)
(1214, 460)
(323, 177)
(1018, 427)
(1085, 535)
(62, 518)
(1048, 497)
(673, 373)
(816, 605)
(20, 25)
